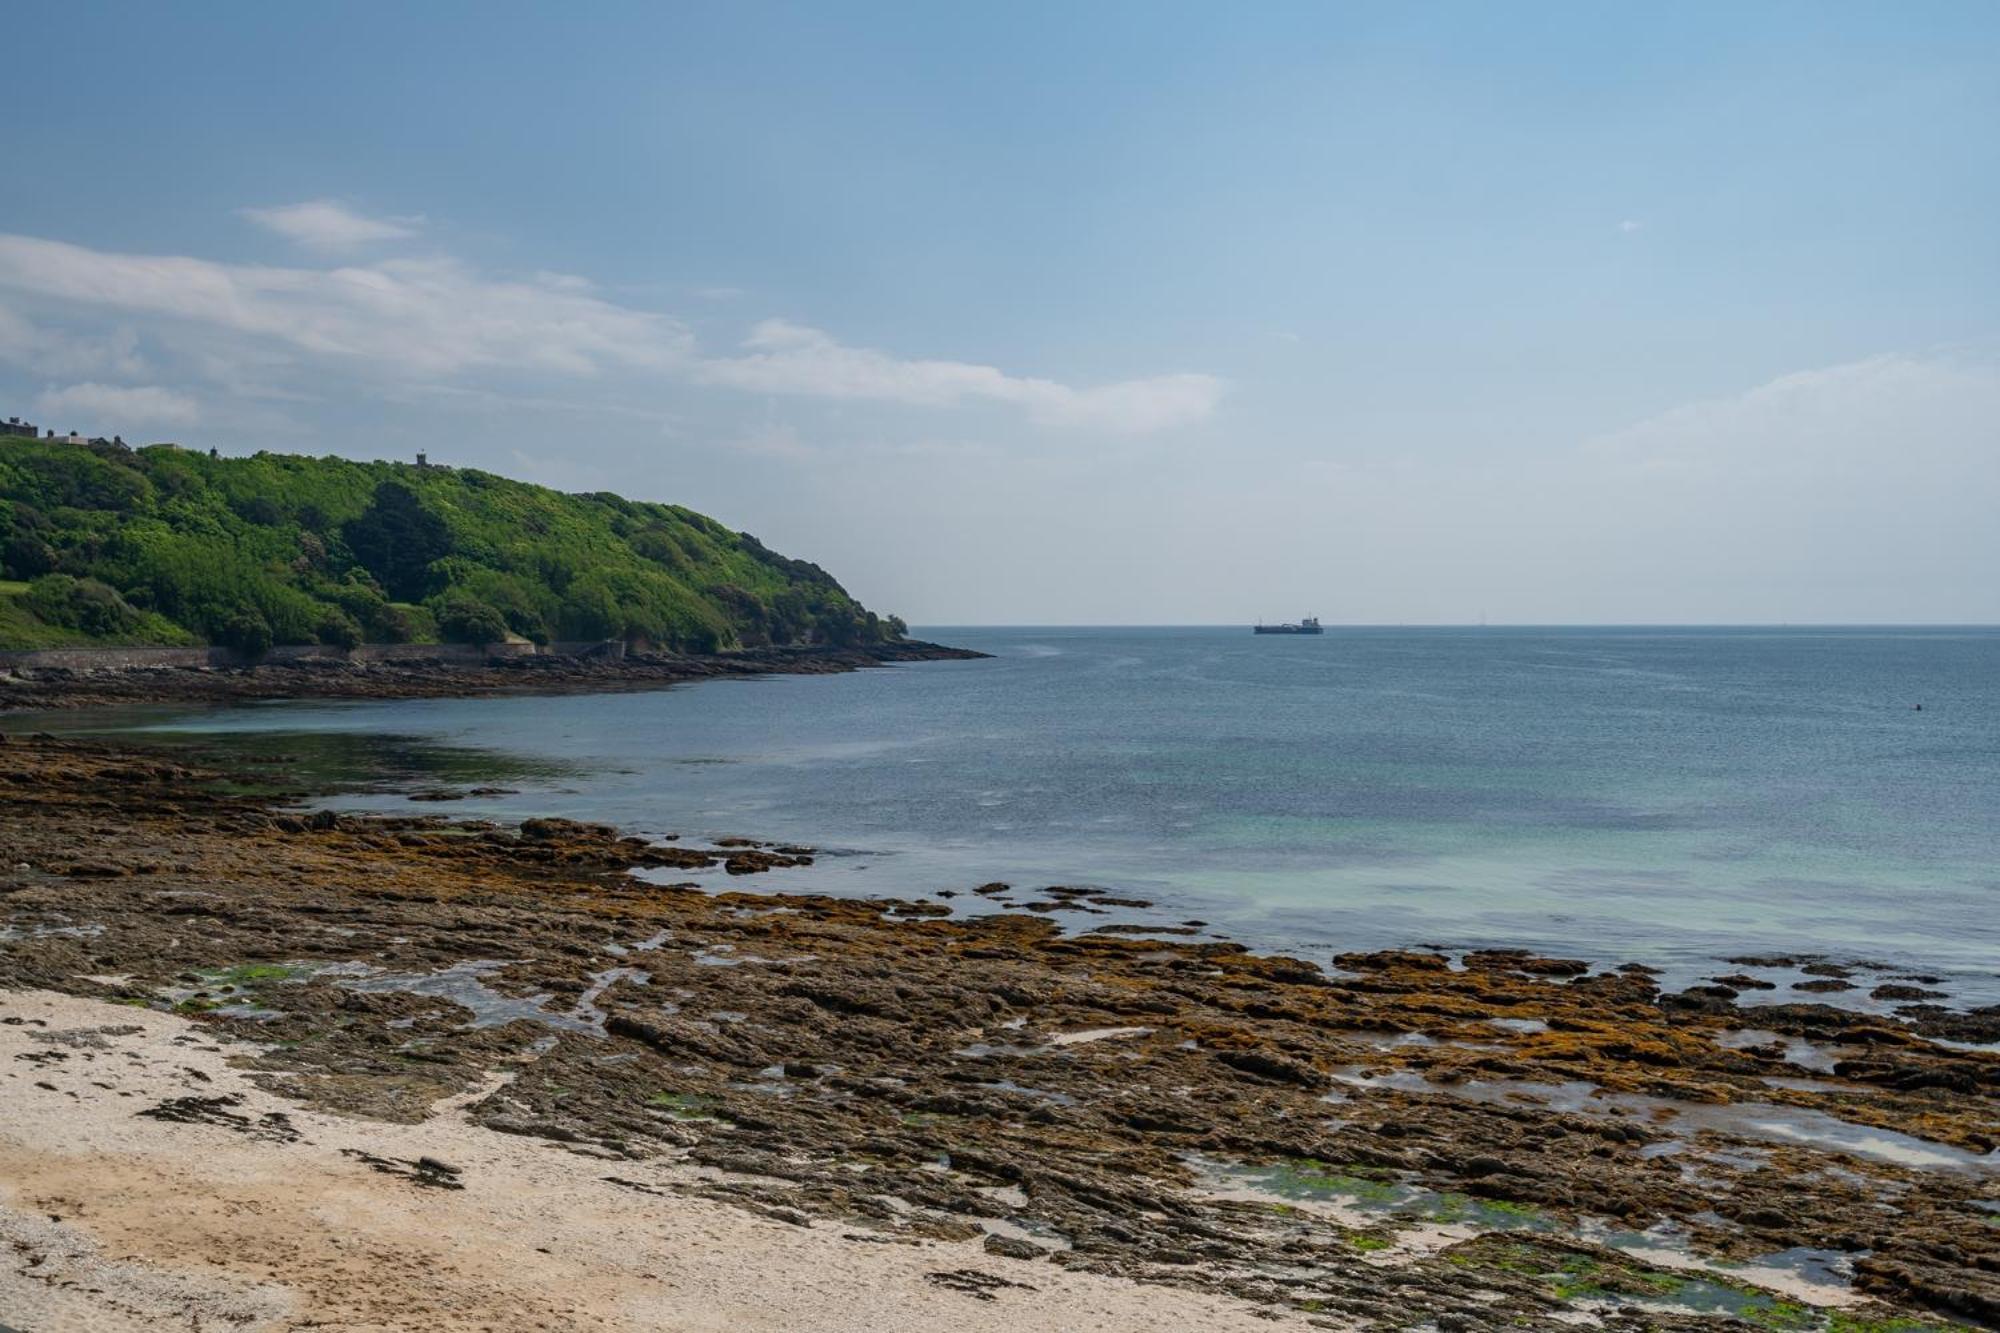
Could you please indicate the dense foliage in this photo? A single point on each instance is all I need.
(104, 544)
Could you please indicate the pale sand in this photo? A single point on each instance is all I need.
(110, 1221)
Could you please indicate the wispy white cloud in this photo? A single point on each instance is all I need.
(1630, 225)
(97, 407)
(787, 358)
(49, 352)
(1882, 412)
(404, 320)
(1874, 479)
(329, 226)
(416, 316)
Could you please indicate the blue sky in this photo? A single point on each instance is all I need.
(1074, 313)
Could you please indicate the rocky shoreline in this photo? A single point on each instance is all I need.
(428, 678)
(1413, 1140)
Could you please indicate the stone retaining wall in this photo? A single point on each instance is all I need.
(457, 654)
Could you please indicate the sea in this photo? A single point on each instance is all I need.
(1672, 796)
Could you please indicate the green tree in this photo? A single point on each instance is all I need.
(248, 633)
(396, 539)
(390, 623)
(81, 604)
(339, 629)
(468, 620)
(27, 556)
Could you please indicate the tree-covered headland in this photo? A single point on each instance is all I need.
(103, 544)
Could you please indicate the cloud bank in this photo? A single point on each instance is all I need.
(418, 316)
(100, 407)
(438, 319)
(1894, 415)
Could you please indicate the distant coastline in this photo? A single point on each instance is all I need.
(448, 671)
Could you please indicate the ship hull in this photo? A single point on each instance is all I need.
(1284, 629)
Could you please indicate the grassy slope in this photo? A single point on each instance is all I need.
(198, 546)
(20, 628)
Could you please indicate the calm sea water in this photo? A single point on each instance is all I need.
(1664, 795)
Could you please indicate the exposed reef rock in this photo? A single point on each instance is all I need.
(1413, 1140)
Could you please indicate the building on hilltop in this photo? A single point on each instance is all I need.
(26, 430)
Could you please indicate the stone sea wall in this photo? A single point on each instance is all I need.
(139, 658)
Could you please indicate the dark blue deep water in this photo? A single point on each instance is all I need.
(1665, 795)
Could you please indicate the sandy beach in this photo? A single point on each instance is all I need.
(265, 1216)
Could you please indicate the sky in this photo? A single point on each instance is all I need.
(1105, 313)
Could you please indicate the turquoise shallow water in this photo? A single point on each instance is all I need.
(1666, 795)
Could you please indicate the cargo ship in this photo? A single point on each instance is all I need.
(1310, 625)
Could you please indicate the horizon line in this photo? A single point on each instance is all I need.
(1473, 624)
